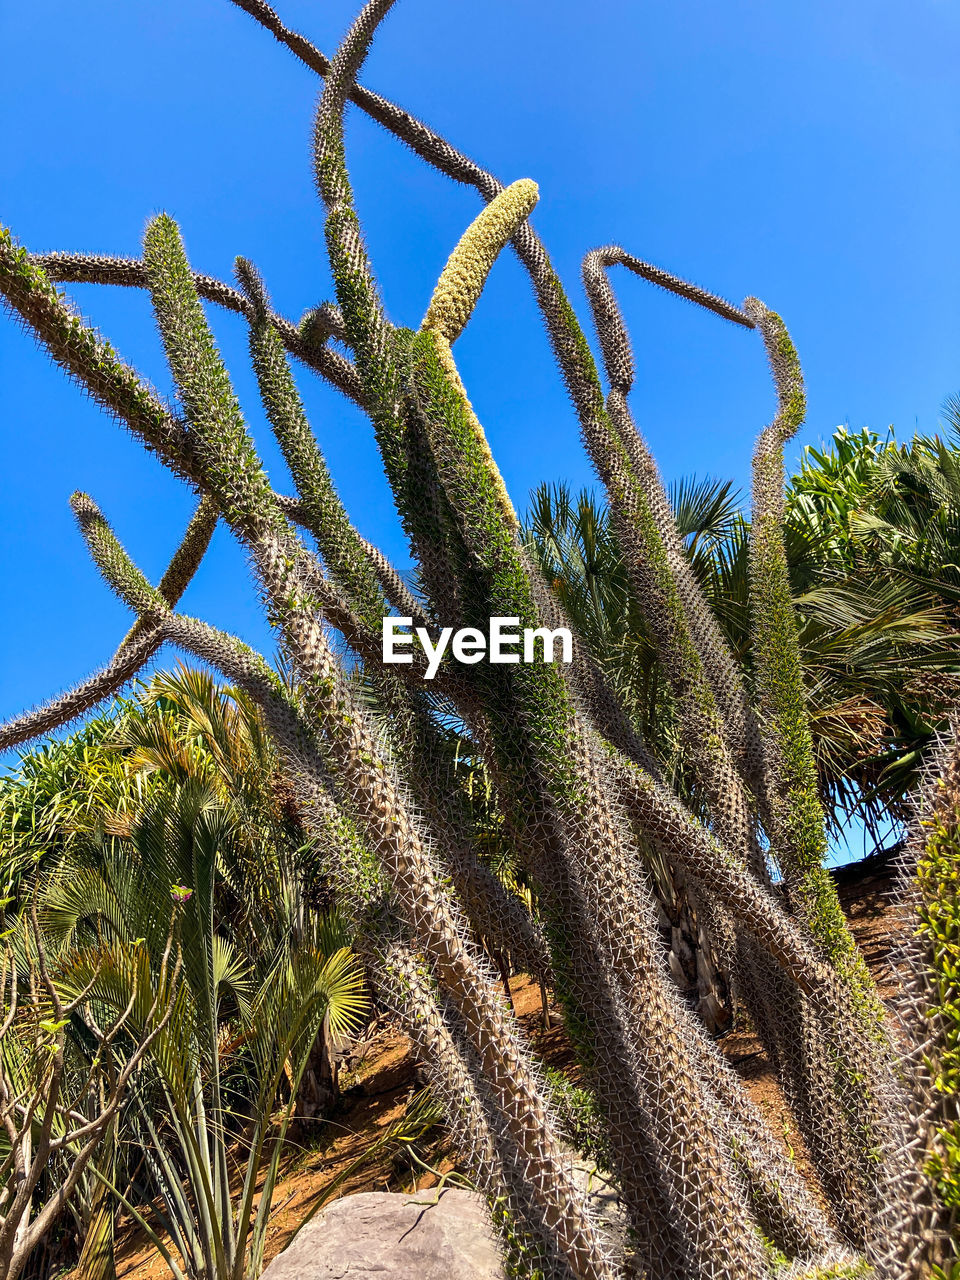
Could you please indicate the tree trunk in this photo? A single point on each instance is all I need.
(320, 1088)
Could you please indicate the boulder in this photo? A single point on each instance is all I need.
(394, 1237)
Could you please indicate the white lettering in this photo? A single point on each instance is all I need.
(469, 645)
(391, 638)
(434, 653)
(548, 638)
(499, 637)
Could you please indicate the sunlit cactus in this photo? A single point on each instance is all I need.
(930, 1003)
(707, 1189)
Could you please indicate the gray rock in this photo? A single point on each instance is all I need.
(391, 1237)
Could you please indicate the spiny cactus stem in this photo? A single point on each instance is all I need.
(130, 658)
(92, 268)
(422, 140)
(647, 562)
(366, 326)
(462, 279)
(721, 670)
(704, 859)
(320, 505)
(407, 990)
(458, 289)
(231, 467)
(377, 799)
(857, 1071)
(358, 634)
(91, 360)
(593, 693)
(719, 665)
(379, 802)
(566, 770)
(186, 559)
(439, 1039)
(134, 651)
(929, 894)
(396, 591)
(233, 471)
(570, 348)
(799, 828)
(785, 1204)
(608, 318)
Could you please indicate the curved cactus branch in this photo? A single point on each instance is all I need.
(719, 664)
(570, 346)
(103, 268)
(798, 826)
(462, 279)
(306, 342)
(90, 360)
(130, 658)
(614, 339)
(134, 651)
(320, 506)
(381, 351)
(799, 838)
(418, 136)
(186, 559)
(366, 326)
(118, 570)
(458, 289)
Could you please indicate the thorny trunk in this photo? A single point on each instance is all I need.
(705, 1185)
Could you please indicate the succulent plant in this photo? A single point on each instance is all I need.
(707, 1188)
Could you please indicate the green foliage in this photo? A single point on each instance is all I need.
(60, 789)
(177, 796)
(938, 885)
(581, 1119)
(872, 535)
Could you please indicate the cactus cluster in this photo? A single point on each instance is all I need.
(707, 1187)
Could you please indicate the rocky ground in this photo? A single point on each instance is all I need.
(381, 1075)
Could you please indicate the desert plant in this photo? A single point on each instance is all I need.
(707, 1188)
(204, 1118)
(49, 1112)
(180, 786)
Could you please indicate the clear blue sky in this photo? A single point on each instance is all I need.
(805, 151)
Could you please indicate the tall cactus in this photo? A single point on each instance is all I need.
(707, 1189)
